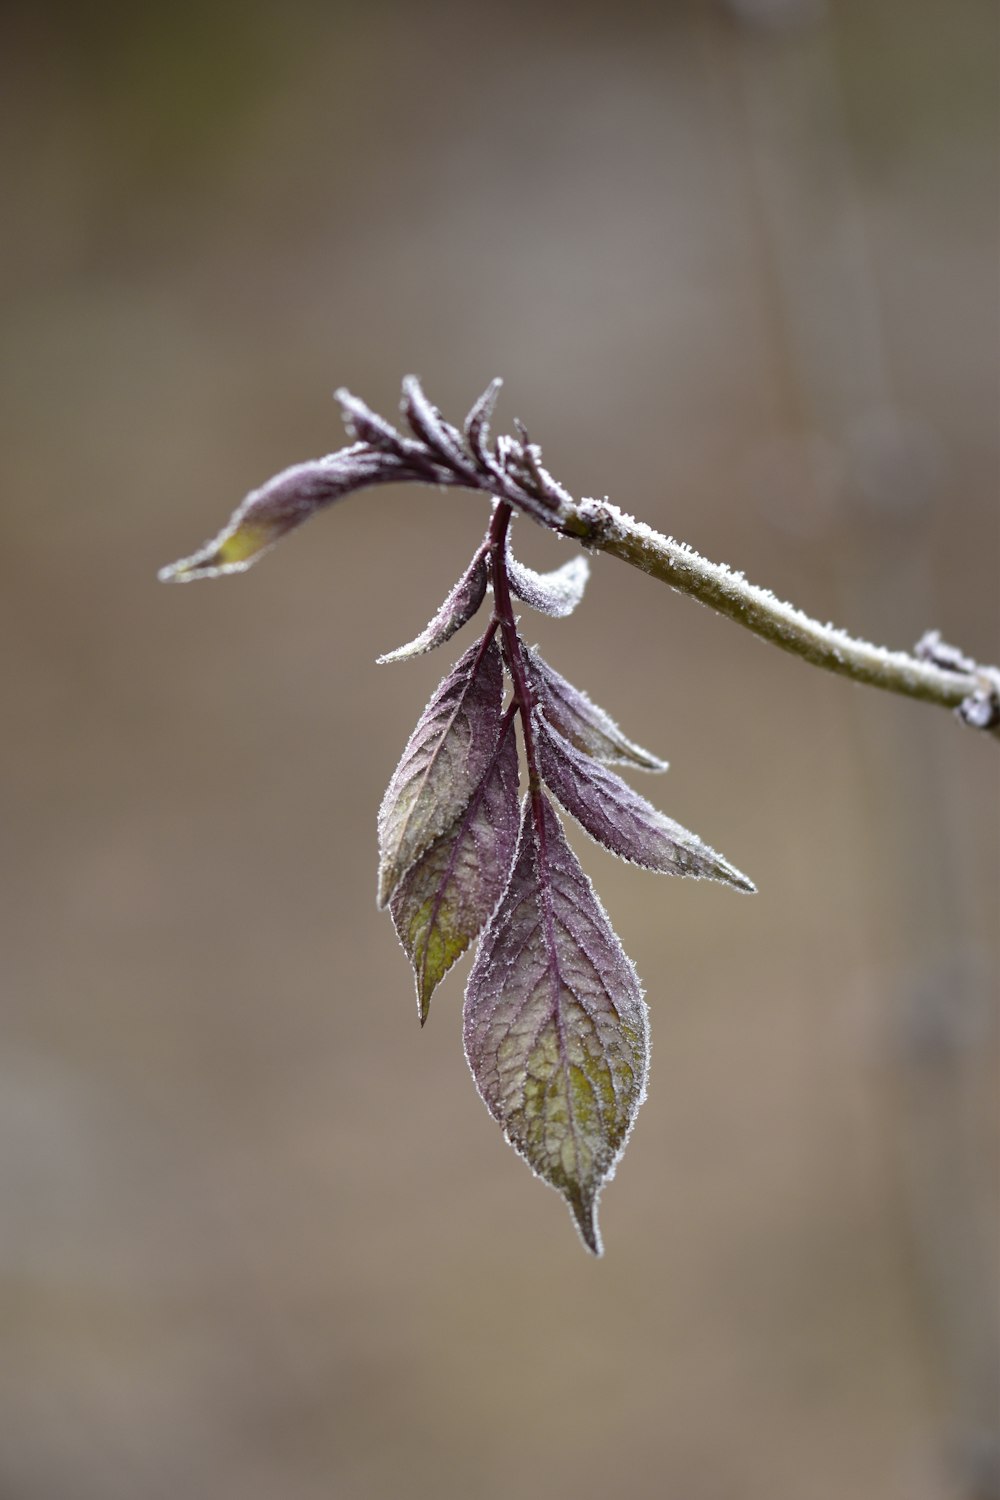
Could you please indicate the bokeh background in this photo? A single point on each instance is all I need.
(737, 265)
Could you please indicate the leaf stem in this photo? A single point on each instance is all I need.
(582, 1209)
(503, 614)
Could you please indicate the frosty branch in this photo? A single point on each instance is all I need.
(555, 1024)
(511, 469)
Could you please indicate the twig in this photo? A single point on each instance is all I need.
(512, 471)
(929, 673)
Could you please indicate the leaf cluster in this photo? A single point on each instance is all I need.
(556, 1029)
(555, 1025)
(437, 453)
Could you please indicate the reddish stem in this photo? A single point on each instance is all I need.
(503, 614)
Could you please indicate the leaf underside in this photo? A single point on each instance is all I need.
(556, 1030)
(617, 817)
(442, 901)
(556, 593)
(444, 761)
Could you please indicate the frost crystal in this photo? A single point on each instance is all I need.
(556, 1028)
(555, 1025)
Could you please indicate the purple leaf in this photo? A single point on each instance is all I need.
(477, 423)
(280, 505)
(459, 607)
(621, 820)
(443, 900)
(581, 722)
(430, 427)
(368, 427)
(445, 759)
(557, 593)
(556, 1029)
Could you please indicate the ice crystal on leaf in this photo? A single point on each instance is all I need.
(445, 759)
(459, 607)
(556, 593)
(555, 1026)
(581, 722)
(617, 817)
(443, 901)
(556, 1031)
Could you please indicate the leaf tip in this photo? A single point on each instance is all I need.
(187, 569)
(425, 989)
(737, 879)
(583, 1209)
(231, 552)
(384, 884)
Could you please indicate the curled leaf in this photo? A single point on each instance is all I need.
(442, 901)
(459, 607)
(284, 502)
(431, 429)
(556, 593)
(621, 820)
(445, 758)
(368, 427)
(581, 722)
(477, 423)
(556, 1030)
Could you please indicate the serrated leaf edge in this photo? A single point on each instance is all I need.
(540, 674)
(587, 1228)
(454, 833)
(389, 867)
(729, 875)
(440, 628)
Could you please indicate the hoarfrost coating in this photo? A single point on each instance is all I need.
(555, 1027)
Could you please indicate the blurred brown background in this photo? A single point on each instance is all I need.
(259, 1237)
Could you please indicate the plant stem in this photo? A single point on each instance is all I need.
(605, 528)
(512, 473)
(503, 613)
